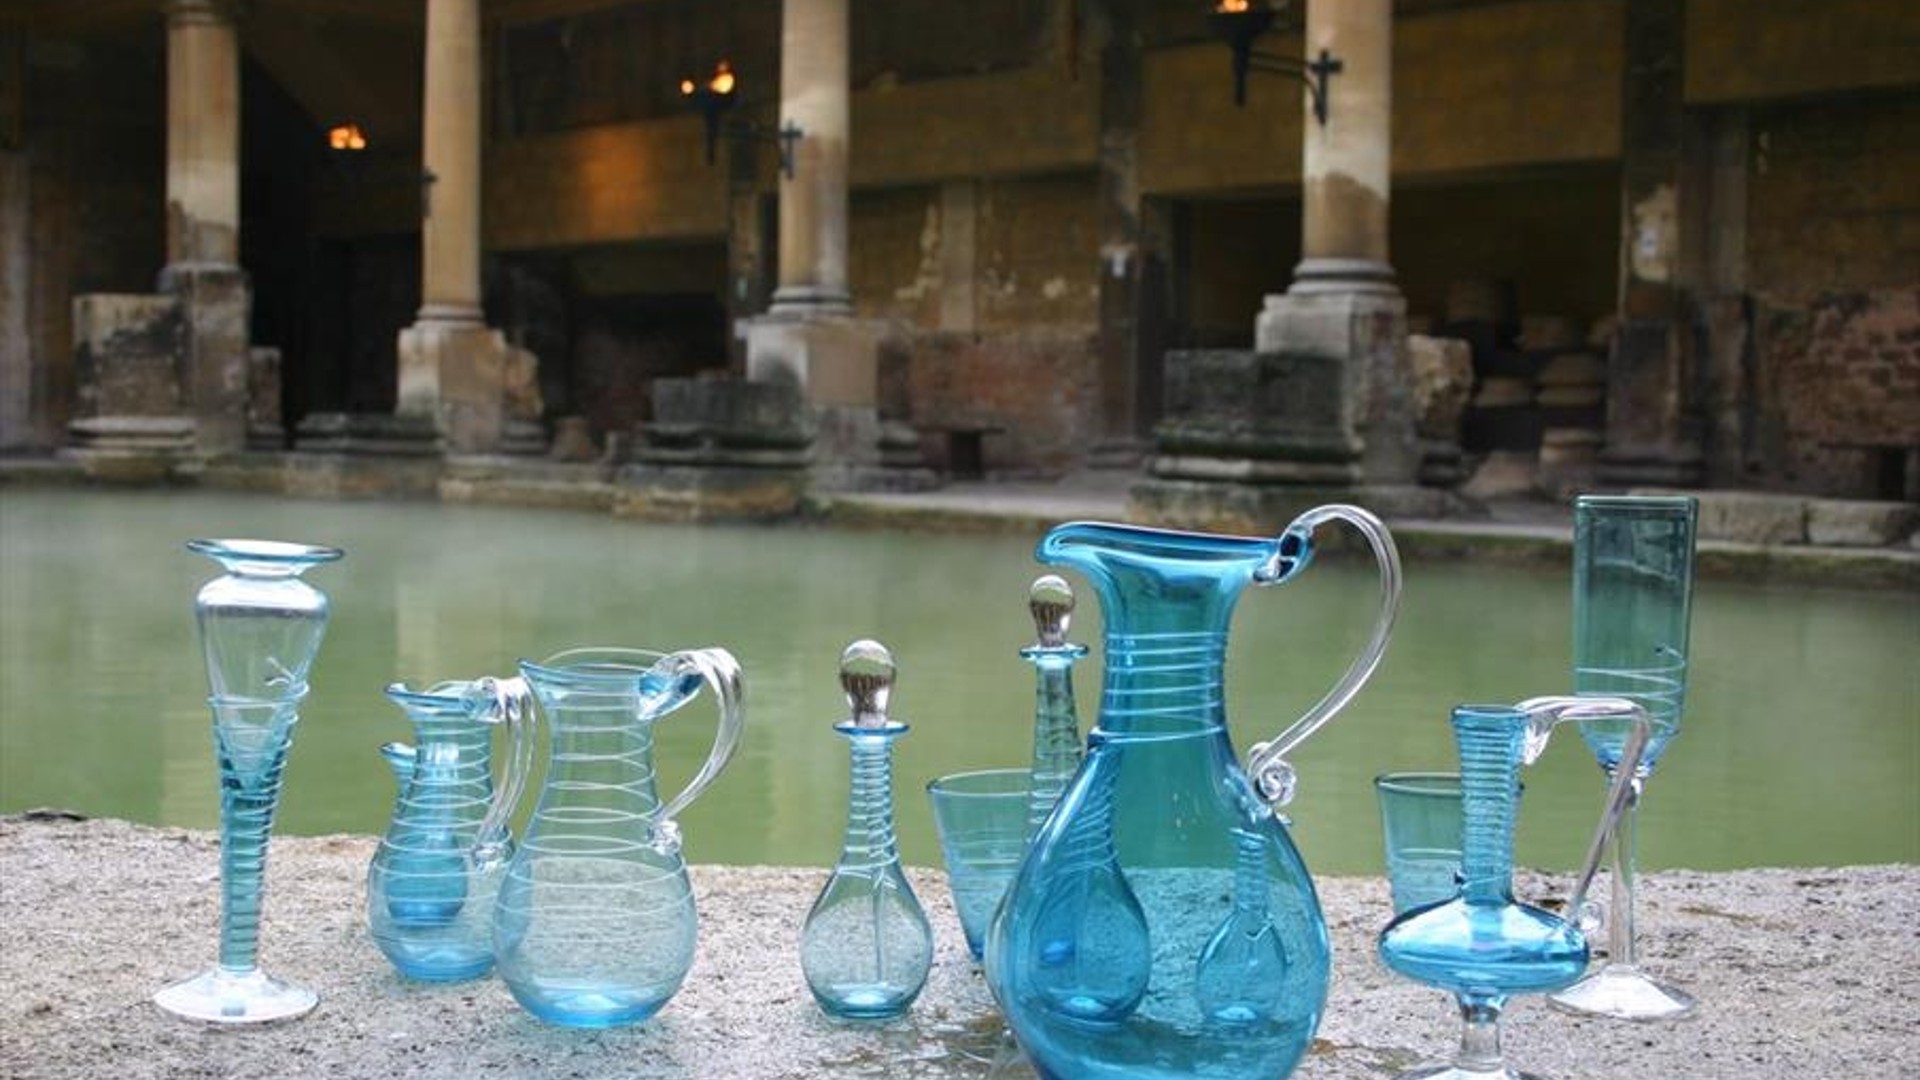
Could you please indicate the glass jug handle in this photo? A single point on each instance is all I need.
(509, 702)
(1272, 776)
(1546, 713)
(722, 674)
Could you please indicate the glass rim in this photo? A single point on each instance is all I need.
(945, 785)
(1430, 784)
(275, 552)
(1680, 504)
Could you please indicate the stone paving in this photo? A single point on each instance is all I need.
(1802, 974)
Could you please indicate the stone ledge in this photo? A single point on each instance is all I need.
(1802, 973)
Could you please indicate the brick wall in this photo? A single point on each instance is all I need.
(1834, 269)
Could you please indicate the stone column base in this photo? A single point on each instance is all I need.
(1365, 330)
(464, 377)
(1266, 509)
(215, 308)
(695, 493)
(131, 449)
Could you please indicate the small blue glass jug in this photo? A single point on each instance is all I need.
(1162, 924)
(431, 886)
(594, 925)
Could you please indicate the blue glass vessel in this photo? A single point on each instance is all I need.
(260, 629)
(1162, 924)
(1056, 719)
(433, 879)
(1475, 940)
(1633, 559)
(594, 926)
(866, 947)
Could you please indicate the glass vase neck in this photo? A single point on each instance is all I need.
(1492, 739)
(264, 558)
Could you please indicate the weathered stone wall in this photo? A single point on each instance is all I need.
(1833, 239)
(1738, 50)
(89, 177)
(646, 180)
(1455, 104)
(992, 291)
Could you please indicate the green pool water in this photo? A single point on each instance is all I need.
(1800, 744)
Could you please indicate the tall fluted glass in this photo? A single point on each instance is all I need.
(260, 628)
(1633, 562)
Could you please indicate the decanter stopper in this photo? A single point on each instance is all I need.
(866, 677)
(1051, 602)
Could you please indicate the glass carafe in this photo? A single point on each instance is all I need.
(432, 882)
(1476, 940)
(594, 925)
(1162, 924)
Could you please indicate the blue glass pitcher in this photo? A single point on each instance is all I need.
(1162, 924)
(594, 925)
(431, 885)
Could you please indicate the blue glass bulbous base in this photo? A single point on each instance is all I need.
(588, 1006)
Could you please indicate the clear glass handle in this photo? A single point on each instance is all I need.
(509, 702)
(1272, 776)
(722, 675)
(1546, 713)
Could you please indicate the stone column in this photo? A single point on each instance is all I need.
(203, 219)
(455, 370)
(1343, 306)
(1653, 428)
(809, 337)
(203, 133)
(1346, 164)
(813, 204)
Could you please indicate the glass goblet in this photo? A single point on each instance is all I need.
(1632, 603)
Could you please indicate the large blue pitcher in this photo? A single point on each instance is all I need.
(1162, 924)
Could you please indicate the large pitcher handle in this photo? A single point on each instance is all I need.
(721, 672)
(510, 702)
(1272, 776)
(1546, 713)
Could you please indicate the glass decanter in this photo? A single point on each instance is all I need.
(866, 947)
(433, 879)
(594, 925)
(1162, 924)
(1471, 937)
(1632, 606)
(1056, 720)
(260, 628)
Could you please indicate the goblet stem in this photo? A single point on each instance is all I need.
(1479, 1037)
(248, 800)
(1620, 947)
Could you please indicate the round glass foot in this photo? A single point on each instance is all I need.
(1623, 993)
(1455, 1072)
(219, 996)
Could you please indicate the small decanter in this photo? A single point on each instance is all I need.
(1056, 723)
(866, 948)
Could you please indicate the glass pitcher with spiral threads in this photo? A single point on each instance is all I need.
(431, 885)
(594, 926)
(1162, 924)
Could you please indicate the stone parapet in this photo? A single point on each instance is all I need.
(79, 974)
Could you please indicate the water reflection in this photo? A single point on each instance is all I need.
(1801, 714)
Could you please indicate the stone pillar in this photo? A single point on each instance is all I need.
(809, 337)
(1346, 164)
(813, 204)
(203, 218)
(1343, 304)
(454, 369)
(1653, 432)
(1124, 251)
(203, 133)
